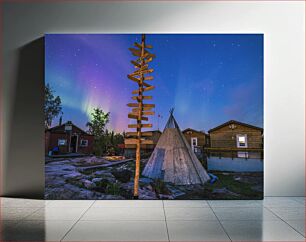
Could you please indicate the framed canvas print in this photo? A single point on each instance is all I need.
(153, 116)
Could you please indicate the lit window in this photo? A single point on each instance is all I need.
(61, 142)
(242, 141)
(84, 143)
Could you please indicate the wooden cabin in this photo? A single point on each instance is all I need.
(234, 135)
(130, 148)
(196, 139)
(68, 138)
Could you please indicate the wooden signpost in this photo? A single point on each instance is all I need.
(139, 109)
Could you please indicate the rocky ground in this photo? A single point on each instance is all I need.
(106, 178)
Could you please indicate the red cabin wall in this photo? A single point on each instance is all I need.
(51, 141)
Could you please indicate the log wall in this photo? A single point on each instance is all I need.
(225, 137)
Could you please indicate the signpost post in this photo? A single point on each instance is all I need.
(138, 108)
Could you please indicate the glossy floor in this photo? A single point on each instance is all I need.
(273, 219)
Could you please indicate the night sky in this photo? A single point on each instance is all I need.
(207, 78)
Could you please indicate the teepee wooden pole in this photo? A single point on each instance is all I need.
(138, 108)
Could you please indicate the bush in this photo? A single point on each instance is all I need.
(113, 189)
(101, 186)
(122, 176)
(160, 187)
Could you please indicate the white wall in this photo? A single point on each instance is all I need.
(283, 25)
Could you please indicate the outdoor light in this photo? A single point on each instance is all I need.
(68, 127)
(232, 126)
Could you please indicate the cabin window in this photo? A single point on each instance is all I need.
(242, 141)
(241, 154)
(194, 143)
(61, 142)
(84, 143)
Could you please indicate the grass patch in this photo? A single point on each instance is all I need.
(227, 181)
(101, 186)
(123, 175)
(113, 189)
(233, 189)
(75, 182)
(160, 187)
(132, 164)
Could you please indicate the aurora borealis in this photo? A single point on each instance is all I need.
(208, 78)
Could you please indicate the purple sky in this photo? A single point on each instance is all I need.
(207, 78)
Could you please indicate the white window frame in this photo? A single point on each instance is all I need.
(81, 145)
(246, 140)
(242, 154)
(192, 145)
(58, 142)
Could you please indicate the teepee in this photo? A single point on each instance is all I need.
(173, 160)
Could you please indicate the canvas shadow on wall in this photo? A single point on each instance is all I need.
(26, 133)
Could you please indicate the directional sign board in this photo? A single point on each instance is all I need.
(140, 110)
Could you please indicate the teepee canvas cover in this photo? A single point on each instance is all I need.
(173, 160)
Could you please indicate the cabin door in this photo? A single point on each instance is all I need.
(74, 144)
(194, 143)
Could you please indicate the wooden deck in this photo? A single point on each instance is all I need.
(209, 149)
(110, 163)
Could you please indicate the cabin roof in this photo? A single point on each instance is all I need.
(190, 129)
(234, 122)
(55, 128)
